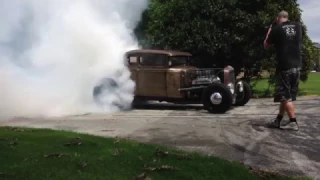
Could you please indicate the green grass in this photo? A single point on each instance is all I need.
(310, 87)
(47, 154)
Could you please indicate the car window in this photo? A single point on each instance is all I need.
(178, 60)
(133, 60)
(153, 59)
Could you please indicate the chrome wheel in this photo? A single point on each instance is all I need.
(216, 98)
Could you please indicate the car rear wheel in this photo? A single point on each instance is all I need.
(105, 89)
(243, 93)
(217, 98)
(138, 102)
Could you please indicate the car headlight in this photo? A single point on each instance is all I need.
(240, 86)
(231, 87)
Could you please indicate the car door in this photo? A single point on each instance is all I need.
(133, 64)
(152, 75)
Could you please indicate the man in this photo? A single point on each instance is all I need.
(286, 37)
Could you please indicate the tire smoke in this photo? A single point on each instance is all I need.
(54, 53)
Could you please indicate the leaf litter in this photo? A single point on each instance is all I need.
(74, 142)
(83, 164)
(17, 129)
(58, 155)
(142, 176)
(117, 151)
(166, 153)
(161, 168)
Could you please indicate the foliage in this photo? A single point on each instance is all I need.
(316, 56)
(220, 32)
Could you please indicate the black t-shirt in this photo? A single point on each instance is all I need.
(287, 39)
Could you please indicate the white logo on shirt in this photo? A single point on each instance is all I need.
(289, 30)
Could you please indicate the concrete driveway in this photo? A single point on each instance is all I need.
(241, 135)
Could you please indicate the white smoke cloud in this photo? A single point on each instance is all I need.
(53, 53)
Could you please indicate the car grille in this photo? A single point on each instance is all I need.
(225, 75)
(231, 77)
(203, 73)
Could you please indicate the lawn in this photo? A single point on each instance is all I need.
(310, 87)
(47, 154)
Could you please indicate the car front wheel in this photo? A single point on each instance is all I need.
(217, 98)
(243, 93)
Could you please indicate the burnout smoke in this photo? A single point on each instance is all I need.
(54, 52)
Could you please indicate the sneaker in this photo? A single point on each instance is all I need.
(277, 123)
(291, 125)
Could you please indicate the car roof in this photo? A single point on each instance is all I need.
(154, 51)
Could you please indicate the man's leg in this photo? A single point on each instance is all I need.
(278, 97)
(292, 123)
(290, 108)
(282, 110)
(287, 107)
(285, 93)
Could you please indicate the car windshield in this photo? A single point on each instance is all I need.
(179, 60)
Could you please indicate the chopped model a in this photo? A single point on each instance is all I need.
(163, 75)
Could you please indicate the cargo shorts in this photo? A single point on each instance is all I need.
(287, 85)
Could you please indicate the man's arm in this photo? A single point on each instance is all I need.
(270, 38)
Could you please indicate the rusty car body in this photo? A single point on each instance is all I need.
(165, 75)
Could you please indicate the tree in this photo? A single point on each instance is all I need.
(217, 32)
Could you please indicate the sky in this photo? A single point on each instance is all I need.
(310, 15)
